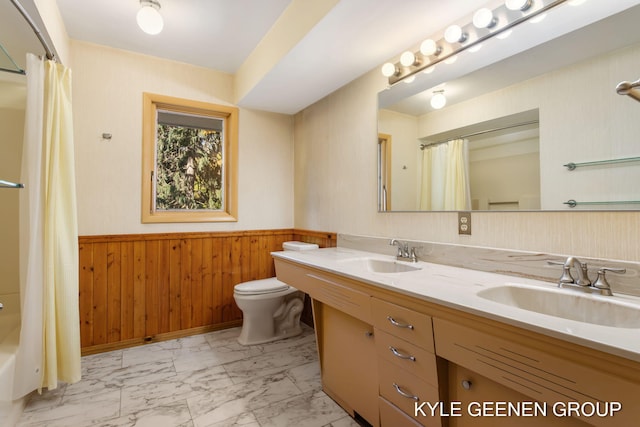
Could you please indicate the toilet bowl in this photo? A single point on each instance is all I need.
(270, 308)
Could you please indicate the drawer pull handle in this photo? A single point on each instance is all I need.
(394, 322)
(404, 393)
(400, 355)
(466, 384)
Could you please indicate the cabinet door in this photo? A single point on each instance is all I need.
(469, 388)
(348, 362)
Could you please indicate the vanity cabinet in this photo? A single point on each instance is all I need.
(468, 388)
(534, 372)
(382, 351)
(345, 337)
(407, 365)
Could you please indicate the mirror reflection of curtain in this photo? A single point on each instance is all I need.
(445, 177)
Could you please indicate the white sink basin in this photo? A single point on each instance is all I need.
(567, 304)
(376, 265)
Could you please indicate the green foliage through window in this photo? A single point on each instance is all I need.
(189, 168)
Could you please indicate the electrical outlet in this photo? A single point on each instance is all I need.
(464, 222)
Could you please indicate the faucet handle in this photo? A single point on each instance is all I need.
(412, 253)
(602, 283)
(566, 273)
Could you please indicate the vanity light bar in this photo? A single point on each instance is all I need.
(469, 37)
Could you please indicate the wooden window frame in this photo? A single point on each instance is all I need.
(151, 104)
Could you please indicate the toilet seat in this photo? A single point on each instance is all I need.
(260, 287)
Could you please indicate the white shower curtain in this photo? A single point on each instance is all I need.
(445, 177)
(50, 336)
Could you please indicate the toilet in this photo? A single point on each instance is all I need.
(270, 308)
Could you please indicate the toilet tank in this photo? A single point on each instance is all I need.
(298, 246)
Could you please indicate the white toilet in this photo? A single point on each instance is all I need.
(270, 308)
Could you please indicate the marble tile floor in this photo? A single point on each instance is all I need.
(199, 381)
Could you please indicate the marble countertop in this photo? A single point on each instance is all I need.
(458, 288)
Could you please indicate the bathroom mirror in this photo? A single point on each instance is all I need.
(525, 118)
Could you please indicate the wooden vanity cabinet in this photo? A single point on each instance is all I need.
(469, 388)
(375, 365)
(345, 337)
(407, 366)
(349, 373)
(535, 372)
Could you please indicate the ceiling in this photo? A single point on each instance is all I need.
(352, 38)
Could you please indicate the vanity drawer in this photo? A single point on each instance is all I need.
(413, 359)
(404, 390)
(536, 373)
(404, 323)
(391, 416)
(327, 288)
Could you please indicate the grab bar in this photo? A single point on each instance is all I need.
(8, 184)
(572, 203)
(572, 166)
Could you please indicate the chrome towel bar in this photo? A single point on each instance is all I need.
(572, 166)
(572, 203)
(8, 184)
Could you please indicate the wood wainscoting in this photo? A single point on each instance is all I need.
(143, 288)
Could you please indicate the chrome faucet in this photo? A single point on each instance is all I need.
(405, 253)
(581, 269)
(600, 286)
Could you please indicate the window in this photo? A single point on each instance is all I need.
(190, 164)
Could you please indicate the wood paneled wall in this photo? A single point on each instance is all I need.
(149, 287)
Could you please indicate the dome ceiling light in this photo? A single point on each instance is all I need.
(149, 19)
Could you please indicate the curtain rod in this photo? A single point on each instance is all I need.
(49, 52)
(482, 132)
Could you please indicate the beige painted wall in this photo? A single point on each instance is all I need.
(12, 125)
(405, 162)
(335, 189)
(107, 97)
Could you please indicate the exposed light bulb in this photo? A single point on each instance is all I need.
(430, 47)
(454, 34)
(475, 48)
(438, 100)
(409, 79)
(429, 70)
(483, 18)
(149, 19)
(407, 59)
(521, 5)
(576, 2)
(389, 69)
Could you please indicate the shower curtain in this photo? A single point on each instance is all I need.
(50, 336)
(445, 177)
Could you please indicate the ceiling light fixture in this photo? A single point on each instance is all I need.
(430, 47)
(454, 34)
(389, 70)
(408, 59)
(485, 25)
(484, 18)
(522, 5)
(149, 19)
(438, 100)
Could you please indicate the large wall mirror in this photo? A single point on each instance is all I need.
(518, 124)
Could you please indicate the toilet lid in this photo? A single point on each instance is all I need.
(264, 286)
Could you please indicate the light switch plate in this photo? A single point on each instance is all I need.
(464, 223)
